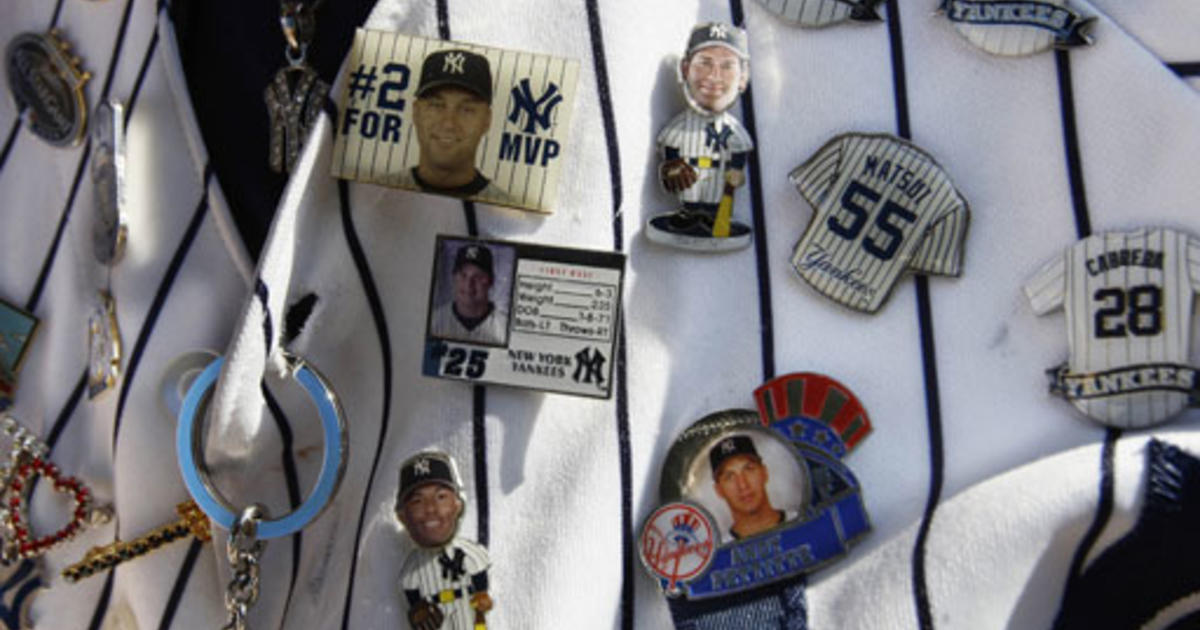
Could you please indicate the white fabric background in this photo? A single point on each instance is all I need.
(1021, 468)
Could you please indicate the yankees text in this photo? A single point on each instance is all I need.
(1152, 377)
(817, 259)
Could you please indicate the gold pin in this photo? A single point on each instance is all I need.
(191, 521)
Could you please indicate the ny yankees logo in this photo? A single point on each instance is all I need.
(453, 63)
(718, 138)
(718, 31)
(421, 467)
(537, 111)
(728, 446)
(294, 100)
(588, 365)
(452, 569)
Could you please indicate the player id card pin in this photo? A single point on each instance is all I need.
(524, 315)
(1015, 28)
(47, 83)
(702, 151)
(881, 206)
(1128, 298)
(17, 328)
(817, 13)
(751, 498)
(455, 119)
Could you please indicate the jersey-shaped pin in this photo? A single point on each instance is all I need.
(1128, 300)
(1014, 28)
(816, 13)
(882, 206)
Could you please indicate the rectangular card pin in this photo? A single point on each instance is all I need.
(456, 119)
(17, 328)
(524, 315)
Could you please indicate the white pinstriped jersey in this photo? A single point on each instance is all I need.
(422, 572)
(708, 143)
(882, 206)
(1128, 300)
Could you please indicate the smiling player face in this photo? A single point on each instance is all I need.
(450, 121)
(431, 514)
(714, 77)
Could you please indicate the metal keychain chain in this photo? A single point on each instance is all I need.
(244, 550)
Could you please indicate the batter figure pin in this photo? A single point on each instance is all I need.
(445, 578)
(703, 150)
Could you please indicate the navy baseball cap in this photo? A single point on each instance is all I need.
(718, 34)
(477, 255)
(458, 68)
(730, 447)
(424, 468)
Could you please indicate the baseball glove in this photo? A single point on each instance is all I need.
(425, 616)
(677, 175)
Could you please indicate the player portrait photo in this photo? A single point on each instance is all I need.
(455, 119)
(750, 480)
(471, 296)
(451, 114)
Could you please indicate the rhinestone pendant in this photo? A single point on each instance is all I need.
(104, 346)
(294, 100)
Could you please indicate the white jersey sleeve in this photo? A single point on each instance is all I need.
(941, 250)
(1048, 286)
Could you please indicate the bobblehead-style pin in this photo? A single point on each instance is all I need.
(756, 498)
(1128, 298)
(47, 84)
(818, 13)
(445, 579)
(882, 206)
(703, 150)
(1015, 28)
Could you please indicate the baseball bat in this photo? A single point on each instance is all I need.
(724, 213)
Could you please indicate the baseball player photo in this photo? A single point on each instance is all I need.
(445, 579)
(451, 114)
(703, 150)
(751, 484)
(455, 119)
(470, 307)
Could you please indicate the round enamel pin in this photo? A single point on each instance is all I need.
(817, 13)
(1014, 28)
(751, 498)
(47, 83)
